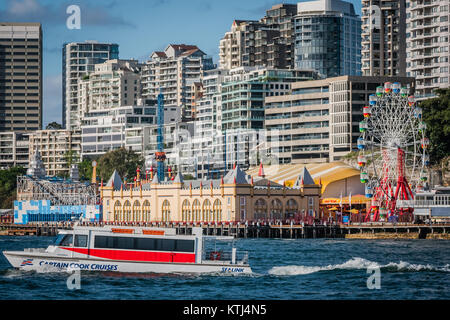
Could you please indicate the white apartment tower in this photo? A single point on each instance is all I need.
(427, 49)
(113, 84)
(267, 42)
(231, 47)
(79, 59)
(202, 146)
(383, 38)
(174, 71)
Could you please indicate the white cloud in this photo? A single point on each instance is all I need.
(23, 7)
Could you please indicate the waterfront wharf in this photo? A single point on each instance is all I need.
(280, 230)
(36, 229)
(301, 231)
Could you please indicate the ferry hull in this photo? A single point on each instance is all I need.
(47, 263)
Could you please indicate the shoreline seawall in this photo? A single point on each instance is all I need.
(275, 231)
(392, 235)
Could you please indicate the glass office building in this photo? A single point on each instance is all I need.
(328, 38)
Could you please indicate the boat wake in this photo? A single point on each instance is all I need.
(356, 263)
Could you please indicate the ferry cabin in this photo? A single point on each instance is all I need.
(129, 244)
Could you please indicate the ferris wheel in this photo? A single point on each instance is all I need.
(392, 149)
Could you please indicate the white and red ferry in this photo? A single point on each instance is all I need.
(131, 249)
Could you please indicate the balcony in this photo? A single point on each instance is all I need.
(430, 3)
(417, 17)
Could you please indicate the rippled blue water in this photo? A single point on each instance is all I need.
(283, 269)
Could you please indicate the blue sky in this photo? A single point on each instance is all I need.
(138, 26)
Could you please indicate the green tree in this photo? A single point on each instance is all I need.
(71, 157)
(352, 155)
(436, 115)
(53, 126)
(85, 169)
(8, 185)
(122, 160)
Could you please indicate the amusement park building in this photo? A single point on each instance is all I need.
(235, 197)
(41, 198)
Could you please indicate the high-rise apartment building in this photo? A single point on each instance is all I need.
(427, 49)
(79, 59)
(20, 76)
(328, 38)
(383, 37)
(197, 155)
(231, 47)
(173, 72)
(279, 50)
(267, 42)
(114, 83)
(243, 91)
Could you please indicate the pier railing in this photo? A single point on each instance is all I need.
(439, 201)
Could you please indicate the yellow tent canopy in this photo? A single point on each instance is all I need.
(356, 199)
(324, 173)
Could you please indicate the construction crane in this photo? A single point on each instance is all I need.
(160, 155)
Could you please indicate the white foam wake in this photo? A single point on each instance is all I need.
(355, 263)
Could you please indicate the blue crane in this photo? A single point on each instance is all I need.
(160, 155)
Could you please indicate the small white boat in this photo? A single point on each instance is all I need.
(131, 249)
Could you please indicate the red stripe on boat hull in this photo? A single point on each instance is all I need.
(128, 255)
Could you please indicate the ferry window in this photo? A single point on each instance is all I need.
(103, 242)
(59, 239)
(124, 243)
(184, 245)
(144, 244)
(165, 244)
(67, 241)
(80, 240)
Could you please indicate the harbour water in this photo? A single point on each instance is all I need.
(283, 269)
